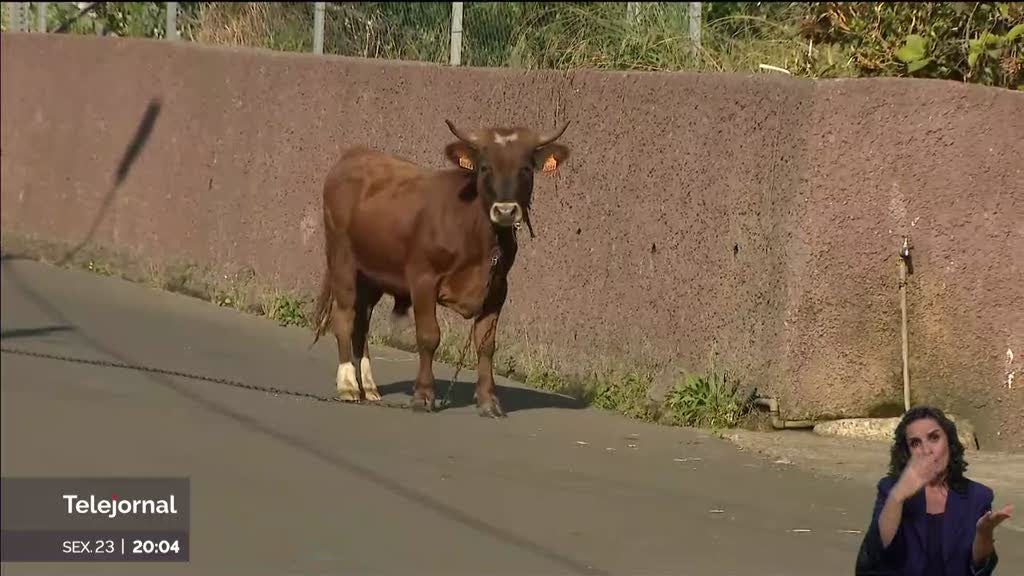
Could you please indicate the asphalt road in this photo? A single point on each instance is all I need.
(286, 485)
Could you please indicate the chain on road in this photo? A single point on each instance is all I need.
(224, 381)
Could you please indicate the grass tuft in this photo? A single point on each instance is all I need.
(708, 400)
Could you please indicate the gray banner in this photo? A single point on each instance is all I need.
(94, 504)
(93, 546)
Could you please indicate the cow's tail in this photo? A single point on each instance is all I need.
(322, 313)
(402, 305)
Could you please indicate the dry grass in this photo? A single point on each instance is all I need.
(271, 25)
(526, 35)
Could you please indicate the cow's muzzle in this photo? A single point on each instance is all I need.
(506, 213)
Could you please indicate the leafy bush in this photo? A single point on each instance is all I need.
(970, 41)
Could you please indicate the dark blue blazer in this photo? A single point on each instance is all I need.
(907, 553)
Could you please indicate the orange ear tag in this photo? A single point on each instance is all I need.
(465, 162)
(550, 164)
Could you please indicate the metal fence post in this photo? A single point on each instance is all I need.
(695, 26)
(318, 27)
(41, 16)
(455, 55)
(172, 21)
(633, 13)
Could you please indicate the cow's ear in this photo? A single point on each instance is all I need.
(548, 158)
(462, 155)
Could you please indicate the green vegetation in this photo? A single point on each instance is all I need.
(625, 394)
(978, 42)
(289, 311)
(706, 400)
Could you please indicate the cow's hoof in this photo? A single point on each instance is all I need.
(347, 395)
(421, 404)
(491, 409)
(371, 394)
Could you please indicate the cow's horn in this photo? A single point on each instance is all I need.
(550, 137)
(458, 134)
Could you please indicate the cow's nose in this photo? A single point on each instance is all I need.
(506, 213)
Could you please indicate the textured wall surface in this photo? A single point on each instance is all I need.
(757, 217)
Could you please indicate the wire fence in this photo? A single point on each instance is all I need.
(653, 35)
(950, 40)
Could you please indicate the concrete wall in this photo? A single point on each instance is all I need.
(758, 217)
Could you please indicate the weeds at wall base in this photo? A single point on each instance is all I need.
(696, 400)
(239, 289)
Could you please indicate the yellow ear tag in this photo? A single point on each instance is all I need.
(465, 162)
(550, 164)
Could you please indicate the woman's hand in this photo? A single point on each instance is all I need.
(984, 543)
(919, 471)
(988, 522)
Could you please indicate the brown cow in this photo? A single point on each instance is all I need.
(427, 237)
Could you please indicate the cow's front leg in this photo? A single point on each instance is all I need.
(484, 335)
(428, 337)
(483, 339)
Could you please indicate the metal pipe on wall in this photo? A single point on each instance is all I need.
(904, 256)
(772, 404)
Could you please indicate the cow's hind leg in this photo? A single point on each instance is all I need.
(342, 321)
(367, 296)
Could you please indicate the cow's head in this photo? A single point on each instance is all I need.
(504, 161)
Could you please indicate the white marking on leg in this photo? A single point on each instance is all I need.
(369, 386)
(348, 387)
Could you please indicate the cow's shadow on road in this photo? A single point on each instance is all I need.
(512, 398)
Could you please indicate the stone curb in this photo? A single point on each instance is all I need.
(883, 429)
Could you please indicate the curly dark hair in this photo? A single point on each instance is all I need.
(899, 453)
